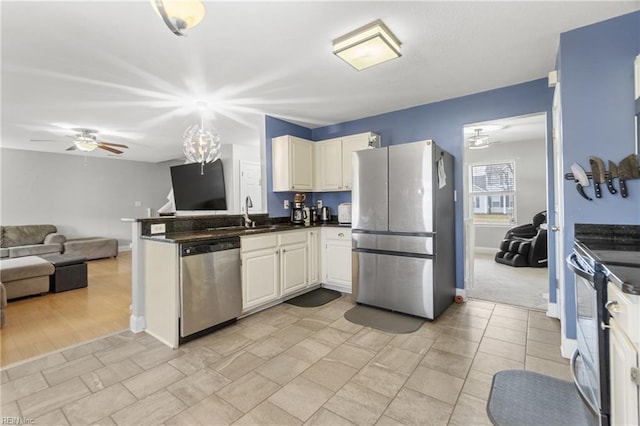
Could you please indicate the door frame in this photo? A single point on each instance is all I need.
(469, 230)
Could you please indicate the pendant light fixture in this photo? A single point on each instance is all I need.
(179, 15)
(201, 145)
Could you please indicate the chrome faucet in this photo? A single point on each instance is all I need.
(248, 223)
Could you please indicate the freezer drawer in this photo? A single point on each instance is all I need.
(393, 243)
(398, 283)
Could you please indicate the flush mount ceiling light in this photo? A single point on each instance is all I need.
(478, 140)
(367, 46)
(179, 14)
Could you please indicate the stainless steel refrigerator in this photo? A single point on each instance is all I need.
(403, 224)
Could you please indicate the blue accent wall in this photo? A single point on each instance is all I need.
(441, 121)
(597, 92)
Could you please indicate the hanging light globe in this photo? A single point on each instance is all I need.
(201, 145)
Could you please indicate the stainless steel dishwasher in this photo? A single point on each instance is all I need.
(210, 285)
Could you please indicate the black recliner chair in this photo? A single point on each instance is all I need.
(525, 245)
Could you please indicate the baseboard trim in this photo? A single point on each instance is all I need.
(552, 310)
(124, 248)
(485, 250)
(337, 287)
(137, 324)
(567, 346)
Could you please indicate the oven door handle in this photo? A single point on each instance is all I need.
(574, 357)
(573, 265)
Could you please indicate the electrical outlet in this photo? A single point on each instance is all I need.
(286, 204)
(319, 204)
(137, 203)
(158, 228)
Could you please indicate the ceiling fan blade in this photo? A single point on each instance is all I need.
(44, 140)
(71, 148)
(115, 151)
(113, 144)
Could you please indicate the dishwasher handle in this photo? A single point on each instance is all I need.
(210, 246)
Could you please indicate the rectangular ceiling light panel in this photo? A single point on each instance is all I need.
(367, 46)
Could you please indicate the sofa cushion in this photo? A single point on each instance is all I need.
(34, 250)
(54, 238)
(92, 247)
(24, 267)
(13, 236)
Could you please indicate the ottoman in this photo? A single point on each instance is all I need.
(92, 247)
(25, 276)
(70, 272)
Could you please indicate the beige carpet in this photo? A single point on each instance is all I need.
(527, 287)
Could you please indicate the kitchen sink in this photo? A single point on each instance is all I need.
(262, 228)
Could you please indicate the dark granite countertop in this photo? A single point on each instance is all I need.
(617, 247)
(231, 231)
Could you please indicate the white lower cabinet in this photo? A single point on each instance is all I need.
(279, 264)
(274, 265)
(337, 258)
(260, 270)
(624, 349)
(294, 261)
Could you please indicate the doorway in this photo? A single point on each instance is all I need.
(505, 187)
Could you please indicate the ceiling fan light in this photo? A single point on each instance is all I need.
(182, 13)
(367, 46)
(85, 144)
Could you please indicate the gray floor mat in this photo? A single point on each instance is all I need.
(391, 322)
(525, 398)
(317, 297)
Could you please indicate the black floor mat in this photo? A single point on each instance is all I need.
(380, 319)
(317, 297)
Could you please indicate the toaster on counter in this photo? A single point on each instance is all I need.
(344, 213)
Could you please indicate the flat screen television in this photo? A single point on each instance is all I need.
(193, 190)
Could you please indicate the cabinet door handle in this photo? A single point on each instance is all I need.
(341, 235)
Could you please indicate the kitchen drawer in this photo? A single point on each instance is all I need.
(292, 237)
(258, 242)
(626, 312)
(332, 233)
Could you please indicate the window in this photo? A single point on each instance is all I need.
(493, 191)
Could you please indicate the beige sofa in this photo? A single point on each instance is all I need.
(30, 240)
(25, 276)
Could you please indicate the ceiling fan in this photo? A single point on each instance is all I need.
(87, 141)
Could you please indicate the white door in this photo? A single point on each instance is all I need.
(558, 213)
(250, 185)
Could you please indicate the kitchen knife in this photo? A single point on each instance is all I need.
(598, 174)
(627, 169)
(580, 176)
(613, 173)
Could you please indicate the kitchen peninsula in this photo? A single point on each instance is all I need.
(251, 268)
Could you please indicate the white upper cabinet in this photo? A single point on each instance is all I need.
(334, 159)
(328, 165)
(292, 164)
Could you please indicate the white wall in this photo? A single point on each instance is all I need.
(531, 192)
(81, 195)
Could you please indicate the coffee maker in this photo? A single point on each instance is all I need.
(298, 214)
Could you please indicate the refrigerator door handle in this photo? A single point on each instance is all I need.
(393, 253)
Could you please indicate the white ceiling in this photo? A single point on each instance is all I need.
(115, 66)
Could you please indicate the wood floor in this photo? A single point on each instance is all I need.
(41, 324)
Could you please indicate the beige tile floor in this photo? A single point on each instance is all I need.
(289, 365)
